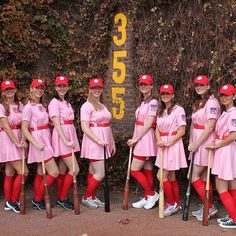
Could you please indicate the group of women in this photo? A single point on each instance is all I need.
(159, 128)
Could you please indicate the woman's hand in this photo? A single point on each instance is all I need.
(132, 142)
(211, 146)
(70, 144)
(40, 147)
(192, 147)
(102, 142)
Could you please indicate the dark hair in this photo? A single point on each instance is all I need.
(66, 98)
(162, 107)
(141, 99)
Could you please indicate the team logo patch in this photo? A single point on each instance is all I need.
(213, 110)
(153, 107)
(233, 122)
(183, 117)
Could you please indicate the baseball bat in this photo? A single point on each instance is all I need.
(75, 188)
(207, 192)
(46, 194)
(126, 192)
(22, 190)
(188, 192)
(161, 191)
(106, 187)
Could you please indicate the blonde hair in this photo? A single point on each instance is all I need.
(96, 104)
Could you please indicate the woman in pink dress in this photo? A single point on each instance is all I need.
(224, 160)
(144, 143)
(64, 140)
(35, 121)
(95, 123)
(171, 125)
(12, 143)
(206, 110)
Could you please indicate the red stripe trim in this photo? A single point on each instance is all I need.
(141, 123)
(15, 126)
(39, 128)
(197, 126)
(99, 124)
(66, 155)
(48, 160)
(167, 133)
(67, 122)
(222, 138)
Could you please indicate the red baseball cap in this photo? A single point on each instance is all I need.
(145, 79)
(61, 80)
(95, 82)
(201, 79)
(167, 88)
(38, 82)
(228, 89)
(7, 84)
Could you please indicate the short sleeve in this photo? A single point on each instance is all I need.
(27, 113)
(54, 108)
(181, 117)
(212, 109)
(2, 111)
(85, 113)
(232, 122)
(152, 109)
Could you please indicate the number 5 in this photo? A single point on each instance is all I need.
(118, 114)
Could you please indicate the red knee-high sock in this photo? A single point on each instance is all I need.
(39, 194)
(91, 187)
(59, 183)
(143, 181)
(229, 204)
(66, 186)
(16, 188)
(200, 187)
(149, 176)
(37, 182)
(88, 179)
(169, 192)
(233, 194)
(8, 183)
(175, 189)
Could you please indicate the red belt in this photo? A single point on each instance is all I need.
(99, 124)
(222, 138)
(39, 128)
(167, 133)
(68, 122)
(197, 126)
(142, 124)
(15, 126)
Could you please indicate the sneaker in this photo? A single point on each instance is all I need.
(66, 204)
(13, 206)
(212, 213)
(6, 208)
(151, 201)
(230, 224)
(171, 209)
(139, 204)
(223, 219)
(98, 202)
(198, 211)
(38, 205)
(89, 202)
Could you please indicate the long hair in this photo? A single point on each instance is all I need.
(141, 98)
(162, 107)
(66, 98)
(3, 101)
(32, 100)
(98, 105)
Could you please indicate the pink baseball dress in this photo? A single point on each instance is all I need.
(174, 156)
(37, 116)
(99, 122)
(211, 110)
(224, 160)
(146, 146)
(64, 111)
(8, 150)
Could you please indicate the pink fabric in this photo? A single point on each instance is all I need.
(174, 156)
(10, 152)
(63, 111)
(37, 116)
(89, 148)
(146, 146)
(224, 161)
(211, 110)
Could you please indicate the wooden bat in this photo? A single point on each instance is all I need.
(161, 191)
(75, 188)
(106, 187)
(188, 192)
(22, 190)
(207, 192)
(126, 192)
(46, 194)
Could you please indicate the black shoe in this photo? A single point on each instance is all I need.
(66, 204)
(13, 206)
(38, 205)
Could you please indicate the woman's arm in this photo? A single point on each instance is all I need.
(175, 138)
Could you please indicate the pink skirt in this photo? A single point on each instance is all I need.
(92, 150)
(224, 162)
(42, 137)
(58, 145)
(8, 150)
(173, 157)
